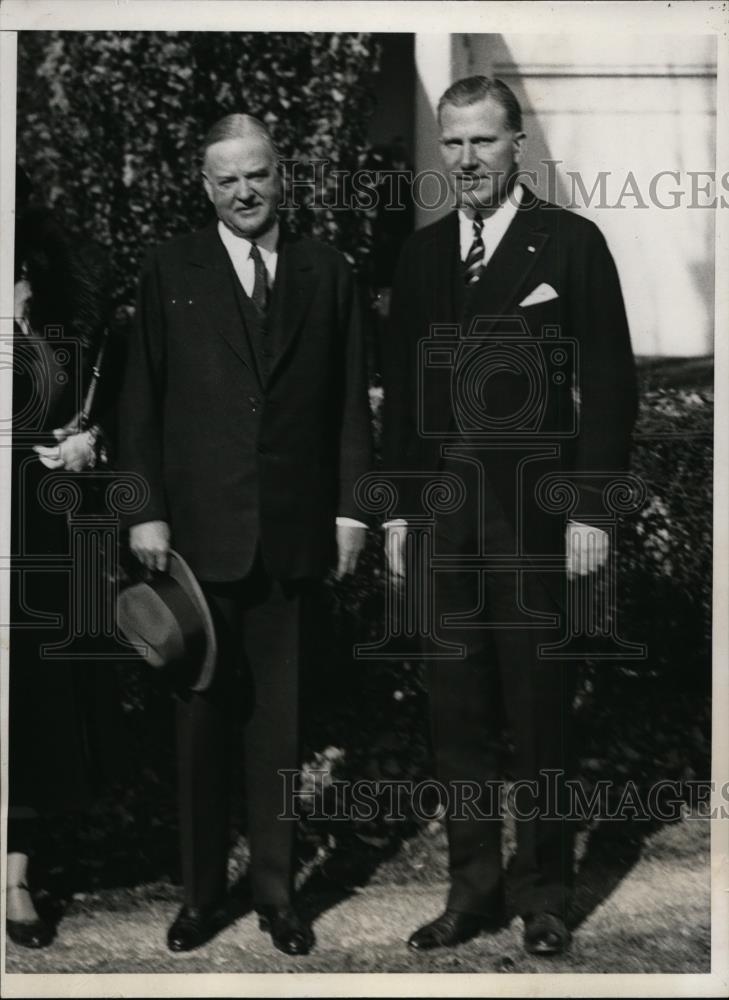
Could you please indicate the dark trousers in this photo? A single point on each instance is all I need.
(256, 684)
(501, 684)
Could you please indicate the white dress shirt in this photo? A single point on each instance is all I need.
(239, 251)
(494, 226)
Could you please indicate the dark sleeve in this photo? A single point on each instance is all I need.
(355, 450)
(607, 389)
(90, 279)
(141, 399)
(105, 411)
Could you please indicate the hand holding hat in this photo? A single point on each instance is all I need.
(150, 543)
(168, 619)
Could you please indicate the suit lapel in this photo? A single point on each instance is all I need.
(291, 296)
(446, 283)
(213, 282)
(495, 293)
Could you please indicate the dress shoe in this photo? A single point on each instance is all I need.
(453, 927)
(288, 931)
(545, 934)
(194, 926)
(34, 933)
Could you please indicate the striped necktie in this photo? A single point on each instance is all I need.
(259, 295)
(474, 260)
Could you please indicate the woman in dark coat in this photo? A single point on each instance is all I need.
(60, 312)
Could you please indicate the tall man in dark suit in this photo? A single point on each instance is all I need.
(538, 382)
(245, 408)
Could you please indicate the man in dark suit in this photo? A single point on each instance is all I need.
(245, 409)
(537, 381)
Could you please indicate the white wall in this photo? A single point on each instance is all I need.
(621, 104)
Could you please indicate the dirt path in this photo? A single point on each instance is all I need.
(656, 919)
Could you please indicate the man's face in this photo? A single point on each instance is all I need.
(480, 152)
(242, 182)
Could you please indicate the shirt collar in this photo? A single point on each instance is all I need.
(267, 243)
(498, 221)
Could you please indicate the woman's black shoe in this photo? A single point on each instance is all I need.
(34, 933)
(30, 934)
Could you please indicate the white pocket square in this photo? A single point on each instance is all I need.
(542, 293)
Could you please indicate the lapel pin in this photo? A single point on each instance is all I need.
(531, 249)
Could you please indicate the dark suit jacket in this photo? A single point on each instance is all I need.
(232, 461)
(585, 414)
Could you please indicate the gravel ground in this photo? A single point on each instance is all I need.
(642, 908)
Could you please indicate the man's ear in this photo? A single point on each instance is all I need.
(207, 185)
(519, 142)
(280, 180)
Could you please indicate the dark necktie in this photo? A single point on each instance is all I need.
(474, 260)
(259, 296)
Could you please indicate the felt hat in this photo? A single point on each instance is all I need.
(168, 617)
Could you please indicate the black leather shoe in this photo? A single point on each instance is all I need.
(194, 926)
(545, 934)
(35, 933)
(289, 932)
(30, 934)
(453, 927)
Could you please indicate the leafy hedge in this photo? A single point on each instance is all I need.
(110, 124)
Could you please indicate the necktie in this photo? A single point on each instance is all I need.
(474, 260)
(259, 296)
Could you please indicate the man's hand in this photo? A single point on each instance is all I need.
(351, 539)
(150, 543)
(587, 549)
(395, 535)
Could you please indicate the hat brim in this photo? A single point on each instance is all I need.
(181, 572)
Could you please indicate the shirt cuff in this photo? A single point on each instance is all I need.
(351, 522)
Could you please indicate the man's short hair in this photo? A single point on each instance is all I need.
(473, 89)
(237, 126)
